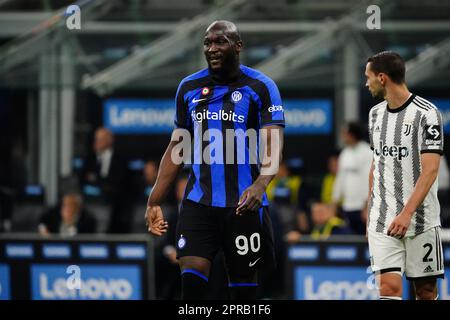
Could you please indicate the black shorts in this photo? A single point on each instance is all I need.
(246, 240)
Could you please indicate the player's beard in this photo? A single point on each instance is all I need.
(230, 64)
(379, 92)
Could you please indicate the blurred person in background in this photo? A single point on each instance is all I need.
(326, 223)
(350, 188)
(327, 187)
(67, 219)
(105, 168)
(284, 194)
(288, 194)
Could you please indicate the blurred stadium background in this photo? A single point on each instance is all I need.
(121, 69)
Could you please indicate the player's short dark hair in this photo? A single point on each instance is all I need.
(390, 63)
(355, 129)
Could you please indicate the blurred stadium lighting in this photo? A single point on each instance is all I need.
(33, 42)
(157, 52)
(429, 62)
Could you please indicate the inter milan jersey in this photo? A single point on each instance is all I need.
(222, 168)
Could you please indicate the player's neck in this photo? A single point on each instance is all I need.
(397, 96)
(227, 75)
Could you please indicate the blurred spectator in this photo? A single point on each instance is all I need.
(68, 218)
(444, 191)
(147, 181)
(106, 169)
(351, 185)
(287, 195)
(325, 222)
(6, 206)
(12, 176)
(326, 192)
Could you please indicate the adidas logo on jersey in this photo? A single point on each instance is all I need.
(398, 152)
(428, 269)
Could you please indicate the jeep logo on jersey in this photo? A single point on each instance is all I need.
(398, 152)
(236, 96)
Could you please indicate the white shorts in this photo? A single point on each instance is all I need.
(420, 256)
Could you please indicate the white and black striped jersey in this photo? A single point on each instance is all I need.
(398, 137)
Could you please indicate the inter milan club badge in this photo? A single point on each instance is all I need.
(236, 96)
(181, 242)
(205, 91)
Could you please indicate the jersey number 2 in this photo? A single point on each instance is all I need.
(430, 248)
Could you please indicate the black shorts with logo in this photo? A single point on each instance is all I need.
(246, 240)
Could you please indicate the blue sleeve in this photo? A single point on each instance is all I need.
(272, 111)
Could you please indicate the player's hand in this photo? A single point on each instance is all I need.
(155, 220)
(399, 226)
(251, 199)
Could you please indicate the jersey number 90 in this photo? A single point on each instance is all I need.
(243, 244)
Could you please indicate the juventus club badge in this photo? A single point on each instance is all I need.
(407, 129)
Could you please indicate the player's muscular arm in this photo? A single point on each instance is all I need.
(272, 142)
(430, 168)
(167, 173)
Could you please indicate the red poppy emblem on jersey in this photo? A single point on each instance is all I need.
(205, 91)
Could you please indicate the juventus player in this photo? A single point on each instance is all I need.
(404, 225)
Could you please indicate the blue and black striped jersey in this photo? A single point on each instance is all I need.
(209, 109)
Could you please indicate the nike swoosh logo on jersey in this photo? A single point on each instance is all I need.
(251, 264)
(197, 100)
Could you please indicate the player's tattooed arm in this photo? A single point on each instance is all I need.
(272, 143)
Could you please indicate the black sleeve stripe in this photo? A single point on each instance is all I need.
(427, 103)
(418, 102)
(432, 151)
(263, 93)
(393, 269)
